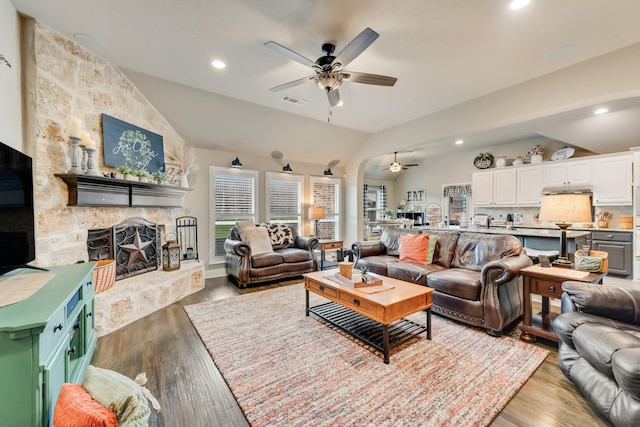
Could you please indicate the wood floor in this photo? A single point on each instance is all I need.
(191, 391)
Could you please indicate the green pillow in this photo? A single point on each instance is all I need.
(432, 248)
(120, 394)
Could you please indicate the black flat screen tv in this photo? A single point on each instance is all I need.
(17, 217)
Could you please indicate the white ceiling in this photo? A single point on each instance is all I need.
(442, 52)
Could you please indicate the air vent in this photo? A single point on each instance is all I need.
(293, 100)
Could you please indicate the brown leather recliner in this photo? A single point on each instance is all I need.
(599, 347)
(475, 276)
(290, 260)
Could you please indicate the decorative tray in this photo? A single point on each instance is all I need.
(372, 281)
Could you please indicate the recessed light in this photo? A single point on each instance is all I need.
(518, 4)
(459, 142)
(601, 111)
(339, 104)
(218, 64)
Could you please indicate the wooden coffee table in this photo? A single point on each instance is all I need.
(374, 316)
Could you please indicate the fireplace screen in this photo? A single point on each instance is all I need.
(134, 244)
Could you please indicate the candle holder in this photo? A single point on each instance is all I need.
(75, 164)
(83, 165)
(91, 164)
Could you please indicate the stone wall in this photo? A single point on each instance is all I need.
(66, 80)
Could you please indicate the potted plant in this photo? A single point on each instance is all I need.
(143, 175)
(127, 172)
(161, 177)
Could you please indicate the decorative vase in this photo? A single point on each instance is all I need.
(518, 161)
(184, 182)
(536, 158)
(501, 162)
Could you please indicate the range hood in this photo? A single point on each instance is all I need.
(568, 189)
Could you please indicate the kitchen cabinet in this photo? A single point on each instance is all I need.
(575, 172)
(46, 340)
(530, 182)
(619, 247)
(613, 181)
(494, 188)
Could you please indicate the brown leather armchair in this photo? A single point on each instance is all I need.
(292, 260)
(599, 347)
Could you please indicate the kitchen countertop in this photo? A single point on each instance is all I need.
(531, 231)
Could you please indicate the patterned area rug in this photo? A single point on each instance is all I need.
(286, 369)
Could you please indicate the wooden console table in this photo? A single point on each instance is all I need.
(547, 282)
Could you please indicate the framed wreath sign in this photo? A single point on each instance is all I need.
(127, 144)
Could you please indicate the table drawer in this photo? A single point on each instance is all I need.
(330, 245)
(362, 305)
(612, 236)
(547, 289)
(321, 289)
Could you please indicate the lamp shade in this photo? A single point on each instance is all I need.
(564, 208)
(316, 212)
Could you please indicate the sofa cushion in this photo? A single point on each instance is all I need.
(294, 255)
(377, 263)
(412, 272)
(390, 238)
(414, 248)
(445, 246)
(281, 235)
(258, 240)
(266, 259)
(474, 250)
(459, 282)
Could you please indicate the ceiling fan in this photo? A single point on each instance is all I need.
(329, 69)
(396, 167)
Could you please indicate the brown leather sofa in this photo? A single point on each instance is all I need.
(290, 260)
(599, 347)
(475, 276)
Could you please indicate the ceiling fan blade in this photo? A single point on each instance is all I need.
(412, 164)
(334, 97)
(290, 54)
(356, 47)
(292, 84)
(369, 79)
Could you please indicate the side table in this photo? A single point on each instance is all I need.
(329, 245)
(547, 282)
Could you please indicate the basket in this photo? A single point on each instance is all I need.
(625, 222)
(104, 275)
(604, 255)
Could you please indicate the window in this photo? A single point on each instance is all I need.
(326, 193)
(233, 198)
(284, 194)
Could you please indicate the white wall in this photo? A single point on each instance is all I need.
(608, 77)
(10, 99)
(197, 201)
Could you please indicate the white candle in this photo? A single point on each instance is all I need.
(85, 137)
(91, 144)
(75, 127)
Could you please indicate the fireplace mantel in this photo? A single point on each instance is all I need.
(89, 190)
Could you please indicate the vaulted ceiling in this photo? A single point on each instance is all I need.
(442, 52)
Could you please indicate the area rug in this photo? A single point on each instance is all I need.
(286, 369)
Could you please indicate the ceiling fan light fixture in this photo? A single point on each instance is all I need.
(395, 167)
(329, 80)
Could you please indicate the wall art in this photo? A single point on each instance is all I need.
(128, 144)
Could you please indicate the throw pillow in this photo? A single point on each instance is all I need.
(75, 407)
(414, 248)
(119, 394)
(280, 235)
(432, 248)
(244, 224)
(258, 240)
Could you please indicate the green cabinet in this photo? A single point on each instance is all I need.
(45, 340)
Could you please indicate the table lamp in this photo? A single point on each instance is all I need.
(564, 209)
(316, 214)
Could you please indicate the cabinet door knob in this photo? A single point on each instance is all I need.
(57, 327)
(552, 288)
(72, 350)
(89, 314)
(609, 236)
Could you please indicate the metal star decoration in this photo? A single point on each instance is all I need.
(136, 249)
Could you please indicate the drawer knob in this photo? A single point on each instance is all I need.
(552, 288)
(609, 235)
(356, 302)
(72, 350)
(57, 327)
(89, 314)
(321, 288)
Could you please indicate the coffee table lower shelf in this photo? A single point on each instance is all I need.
(379, 336)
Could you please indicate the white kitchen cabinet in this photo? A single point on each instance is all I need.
(494, 188)
(575, 172)
(530, 182)
(612, 181)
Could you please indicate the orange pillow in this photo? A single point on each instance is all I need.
(76, 407)
(414, 248)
